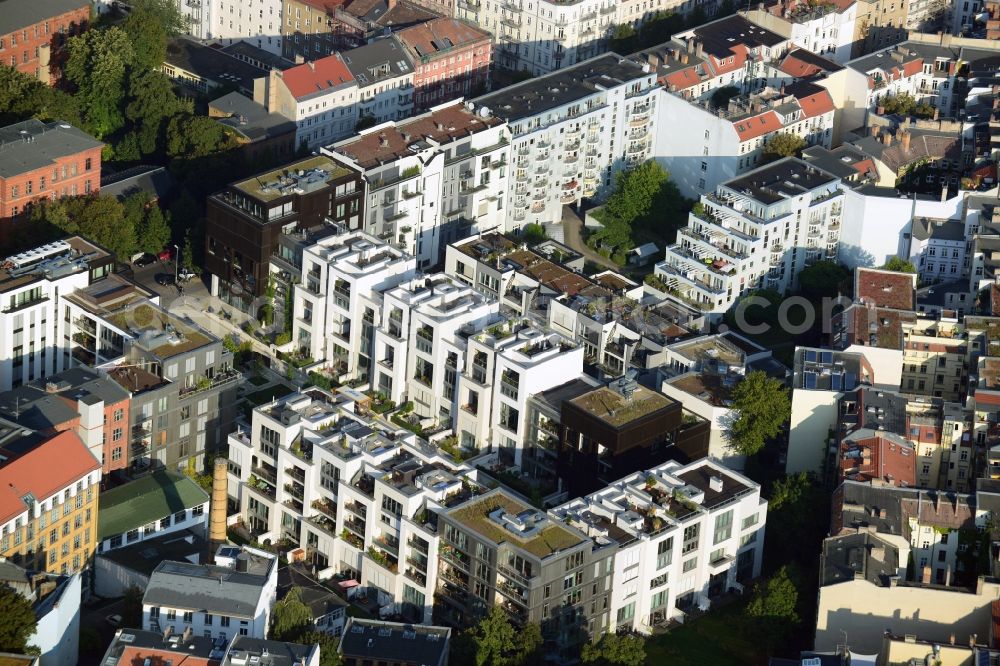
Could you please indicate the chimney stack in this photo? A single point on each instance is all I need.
(887, 138)
(217, 507)
(874, 130)
(904, 137)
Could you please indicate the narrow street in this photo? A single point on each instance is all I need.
(573, 239)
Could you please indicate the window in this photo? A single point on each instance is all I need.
(208, 619)
(87, 164)
(664, 553)
(723, 526)
(750, 521)
(171, 614)
(626, 613)
(689, 565)
(188, 617)
(224, 621)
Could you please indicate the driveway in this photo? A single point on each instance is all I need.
(572, 225)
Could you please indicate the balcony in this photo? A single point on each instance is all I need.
(324, 523)
(325, 507)
(355, 526)
(387, 543)
(357, 509)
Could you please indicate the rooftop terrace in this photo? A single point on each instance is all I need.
(303, 176)
(616, 410)
(548, 540)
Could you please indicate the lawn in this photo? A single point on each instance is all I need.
(268, 394)
(710, 639)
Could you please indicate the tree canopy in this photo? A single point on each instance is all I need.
(291, 617)
(100, 218)
(494, 641)
(148, 25)
(773, 611)
(899, 265)
(782, 145)
(328, 646)
(644, 197)
(18, 623)
(98, 63)
(615, 650)
(761, 407)
(533, 234)
(824, 279)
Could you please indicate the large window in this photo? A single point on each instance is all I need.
(723, 526)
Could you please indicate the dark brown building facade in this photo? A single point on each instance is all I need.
(247, 221)
(607, 434)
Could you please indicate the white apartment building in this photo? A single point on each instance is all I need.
(504, 365)
(320, 96)
(571, 132)
(337, 303)
(431, 179)
(542, 37)
(420, 342)
(34, 339)
(357, 496)
(685, 535)
(384, 71)
(937, 249)
(256, 22)
(719, 144)
(758, 230)
(233, 597)
(826, 30)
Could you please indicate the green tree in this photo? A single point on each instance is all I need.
(823, 279)
(494, 641)
(23, 96)
(291, 617)
(644, 197)
(364, 122)
(97, 65)
(132, 607)
(899, 265)
(187, 256)
(100, 218)
(18, 623)
(773, 614)
(615, 650)
(533, 234)
(146, 217)
(782, 145)
(624, 38)
(151, 101)
(328, 647)
(191, 137)
(760, 409)
(148, 25)
(902, 104)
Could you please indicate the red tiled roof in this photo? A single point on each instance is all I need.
(885, 288)
(756, 126)
(313, 77)
(133, 656)
(428, 39)
(817, 104)
(885, 460)
(865, 167)
(684, 78)
(798, 68)
(49, 467)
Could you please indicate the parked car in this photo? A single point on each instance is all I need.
(184, 275)
(145, 259)
(167, 254)
(164, 279)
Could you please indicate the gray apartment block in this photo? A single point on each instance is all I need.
(497, 549)
(183, 389)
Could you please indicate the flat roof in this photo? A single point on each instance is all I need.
(272, 184)
(146, 500)
(249, 118)
(18, 14)
(144, 556)
(159, 332)
(367, 62)
(564, 86)
(394, 642)
(211, 64)
(475, 515)
(615, 409)
(392, 141)
(779, 180)
(32, 144)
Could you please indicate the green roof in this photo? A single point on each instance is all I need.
(145, 500)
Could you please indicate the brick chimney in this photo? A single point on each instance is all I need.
(904, 137)
(887, 138)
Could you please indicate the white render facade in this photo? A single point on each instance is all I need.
(257, 22)
(758, 230)
(542, 36)
(344, 487)
(336, 303)
(686, 534)
(420, 342)
(716, 146)
(437, 190)
(600, 122)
